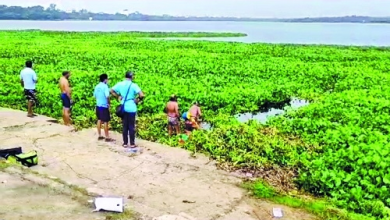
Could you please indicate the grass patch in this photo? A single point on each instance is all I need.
(127, 214)
(3, 165)
(319, 207)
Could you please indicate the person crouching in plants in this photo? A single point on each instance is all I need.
(172, 110)
(102, 96)
(192, 119)
(127, 91)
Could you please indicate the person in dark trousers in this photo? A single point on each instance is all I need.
(29, 79)
(131, 90)
(102, 96)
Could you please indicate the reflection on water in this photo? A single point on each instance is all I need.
(205, 126)
(263, 116)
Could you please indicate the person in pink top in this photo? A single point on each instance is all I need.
(193, 118)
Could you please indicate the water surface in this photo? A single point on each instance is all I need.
(263, 117)
(267, 32)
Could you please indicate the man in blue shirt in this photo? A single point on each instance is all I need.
(131, 90)
(102, 95)
(28, 79)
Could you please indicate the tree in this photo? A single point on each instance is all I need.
(52, 7)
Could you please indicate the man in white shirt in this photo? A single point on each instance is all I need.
(28, 79)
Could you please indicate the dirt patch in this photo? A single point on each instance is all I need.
(160, 181)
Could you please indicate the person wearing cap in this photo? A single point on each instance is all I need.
(172, 110)
(130, 89)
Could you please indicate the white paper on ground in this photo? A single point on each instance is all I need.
(113, 204)
(277, 212)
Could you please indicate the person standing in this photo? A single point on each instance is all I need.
(172, 110)
(130, 90)
(102, 96)
(65, 97)
(28, 80)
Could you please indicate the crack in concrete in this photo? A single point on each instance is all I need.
(79, 174)
(123, 173)
(166, 168)
(11, 127)
(35, 140)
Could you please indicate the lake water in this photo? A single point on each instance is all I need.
(267, 32)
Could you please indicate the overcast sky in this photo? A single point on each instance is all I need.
(237, 8)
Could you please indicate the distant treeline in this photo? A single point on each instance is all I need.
(346, 19)
(52, 13)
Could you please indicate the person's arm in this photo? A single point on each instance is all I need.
(141, 95)
(115, 92)
(67, 89)
(177, 110)
(107, 95)
(35, 78)
(199, 112)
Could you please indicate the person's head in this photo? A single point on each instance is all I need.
(103, 78)
(196, 103)
(173, 98)
(129, 75)
(29, 64)
(66, 74)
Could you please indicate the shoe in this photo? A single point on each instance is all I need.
(110, 140)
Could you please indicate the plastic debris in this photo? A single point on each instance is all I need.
(111, 204)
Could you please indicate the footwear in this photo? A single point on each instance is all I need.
(132, 149)
(110, 140)
(100, 138)
(125, 145)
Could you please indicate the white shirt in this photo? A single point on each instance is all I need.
(29, 78)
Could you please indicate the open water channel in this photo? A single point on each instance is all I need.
(264, 116)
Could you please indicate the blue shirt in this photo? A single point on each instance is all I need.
(101, 94)
(121, 89)
(29, 78)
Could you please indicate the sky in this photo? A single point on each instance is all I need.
(235, 8)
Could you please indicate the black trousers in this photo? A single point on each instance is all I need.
(128, 122)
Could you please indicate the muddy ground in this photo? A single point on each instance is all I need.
(160, 181)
